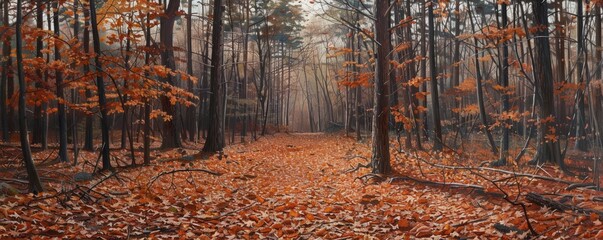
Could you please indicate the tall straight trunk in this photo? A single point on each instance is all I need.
(504, 80)
(125, 121)
(100, 84)
(308, 99)
(480, 92)
(380, 161)
(215, 135)
(560, 57)
(170, 130)
(314, 67)
(35, 186)
(348, 93)
(548, 151)
(358, 89)
(74, 96)
(598, 51)
(147, 101)
(243, 87)
(403, 74)
(423, 116)
(435, 100)
(456, 69)
(413, 89)
(581, 141)
(393, 78)
(89, 131)
(203, 111)
(6, 74)
(190, 110)
(38, 134)
(59, 91)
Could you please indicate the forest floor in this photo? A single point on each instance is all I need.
(301, 186)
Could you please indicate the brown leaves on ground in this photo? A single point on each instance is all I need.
(288, 186)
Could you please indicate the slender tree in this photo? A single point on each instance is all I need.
(62, 115)
(35, 186)
(380, 161)
(100, 84)
(435, 99)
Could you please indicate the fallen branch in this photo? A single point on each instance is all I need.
(14, 180)
(515, 174)
(562, 207)
(181, 170)
(452, 184)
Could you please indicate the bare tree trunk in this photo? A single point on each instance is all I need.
(581, 141)
(171, 131)
(100, 84)
(380, 161)
(74, 94)
(548, 151)
(480, 92)
(435, 99)
(38, 134)
(413, 89)
(147, 101)
(504, 80)
(89, 132)
(215, 136)
(59, 91)
(4, 82)
(35, 186)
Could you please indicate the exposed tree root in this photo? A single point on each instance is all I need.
(358, 167)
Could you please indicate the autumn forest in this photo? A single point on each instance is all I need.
(303, 119)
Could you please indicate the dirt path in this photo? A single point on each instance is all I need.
(282, 186)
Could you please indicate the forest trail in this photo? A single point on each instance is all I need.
(282, 186)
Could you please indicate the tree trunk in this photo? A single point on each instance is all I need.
(170, 130)
(6, 68)
(35, 186)
(480, 92)
(548, 150)
(435, 100)
(38, 134)
(504, 80)
(380, 161)
(215, 135)
(59, 91)
(581, 141)
(89, 132)
(100, 84)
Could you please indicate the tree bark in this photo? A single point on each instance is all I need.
(380, 161)
(435, 99)
(215, 135)
(548, 150)
(59, 91)
(35, 186)
(100, 84)
(171, 130)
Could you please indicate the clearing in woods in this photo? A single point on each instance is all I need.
(289, 186)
